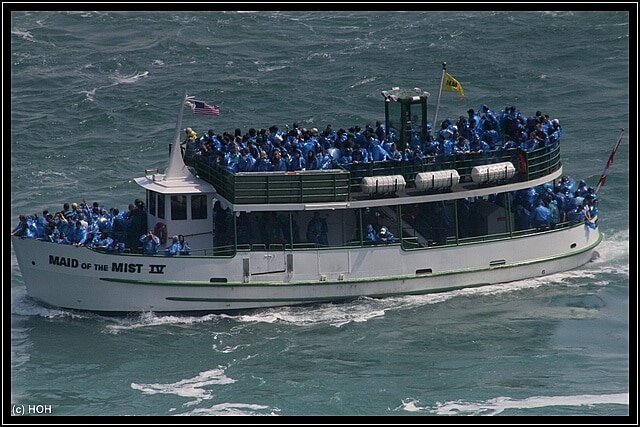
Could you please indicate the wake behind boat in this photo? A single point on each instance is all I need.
(396, 209)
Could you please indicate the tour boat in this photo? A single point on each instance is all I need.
(454, 220)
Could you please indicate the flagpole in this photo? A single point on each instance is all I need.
(444, 70)
(603, 177)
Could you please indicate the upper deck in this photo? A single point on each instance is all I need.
(342, 187)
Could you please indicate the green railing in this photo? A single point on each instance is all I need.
(335, 185)
(529, 165)
(276, 187)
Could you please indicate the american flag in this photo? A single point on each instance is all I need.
(200, 107)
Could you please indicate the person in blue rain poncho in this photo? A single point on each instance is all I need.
(174, 249)
(541, 217)
(150, 243)
(184, 247)
(371, 236)
(385, 236)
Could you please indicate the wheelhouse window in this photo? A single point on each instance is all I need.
(151, 202)
(161, 206)
(178, 207)
(199, 207)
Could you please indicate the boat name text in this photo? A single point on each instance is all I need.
(116, 267)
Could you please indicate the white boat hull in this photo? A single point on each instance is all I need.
(79, 278)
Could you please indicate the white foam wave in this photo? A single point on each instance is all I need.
(22, 305)
(266, 69)
(130, 79)
(365, 309)
(147, 319)
(118, 80)
(363, 82)
(26, 35)
(228, 349)
(229, 408)
(614, 247)
(195, 387)
(321, 55)
(333, 314)
(498, 405)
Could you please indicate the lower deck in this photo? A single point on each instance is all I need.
(413, 226)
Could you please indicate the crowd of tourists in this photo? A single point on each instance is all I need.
(299, 148)
(84, 224)
(546, 206)
(94, 226)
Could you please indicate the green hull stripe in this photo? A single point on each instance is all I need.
(322, 299)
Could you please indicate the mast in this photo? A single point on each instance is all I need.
(176, 167)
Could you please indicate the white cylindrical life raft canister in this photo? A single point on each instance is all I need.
(437, 180)
(386, 184)
(495, 172)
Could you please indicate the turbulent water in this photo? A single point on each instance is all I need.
(93, 103)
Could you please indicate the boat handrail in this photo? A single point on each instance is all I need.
(406, 242)
(343, 182)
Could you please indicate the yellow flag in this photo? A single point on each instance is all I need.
(452, 84)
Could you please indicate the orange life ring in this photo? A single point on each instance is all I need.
(521, 163)
(160, 230)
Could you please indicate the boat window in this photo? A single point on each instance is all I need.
(160, 205)
(151, 202)
(178, 207)
(199, 207)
